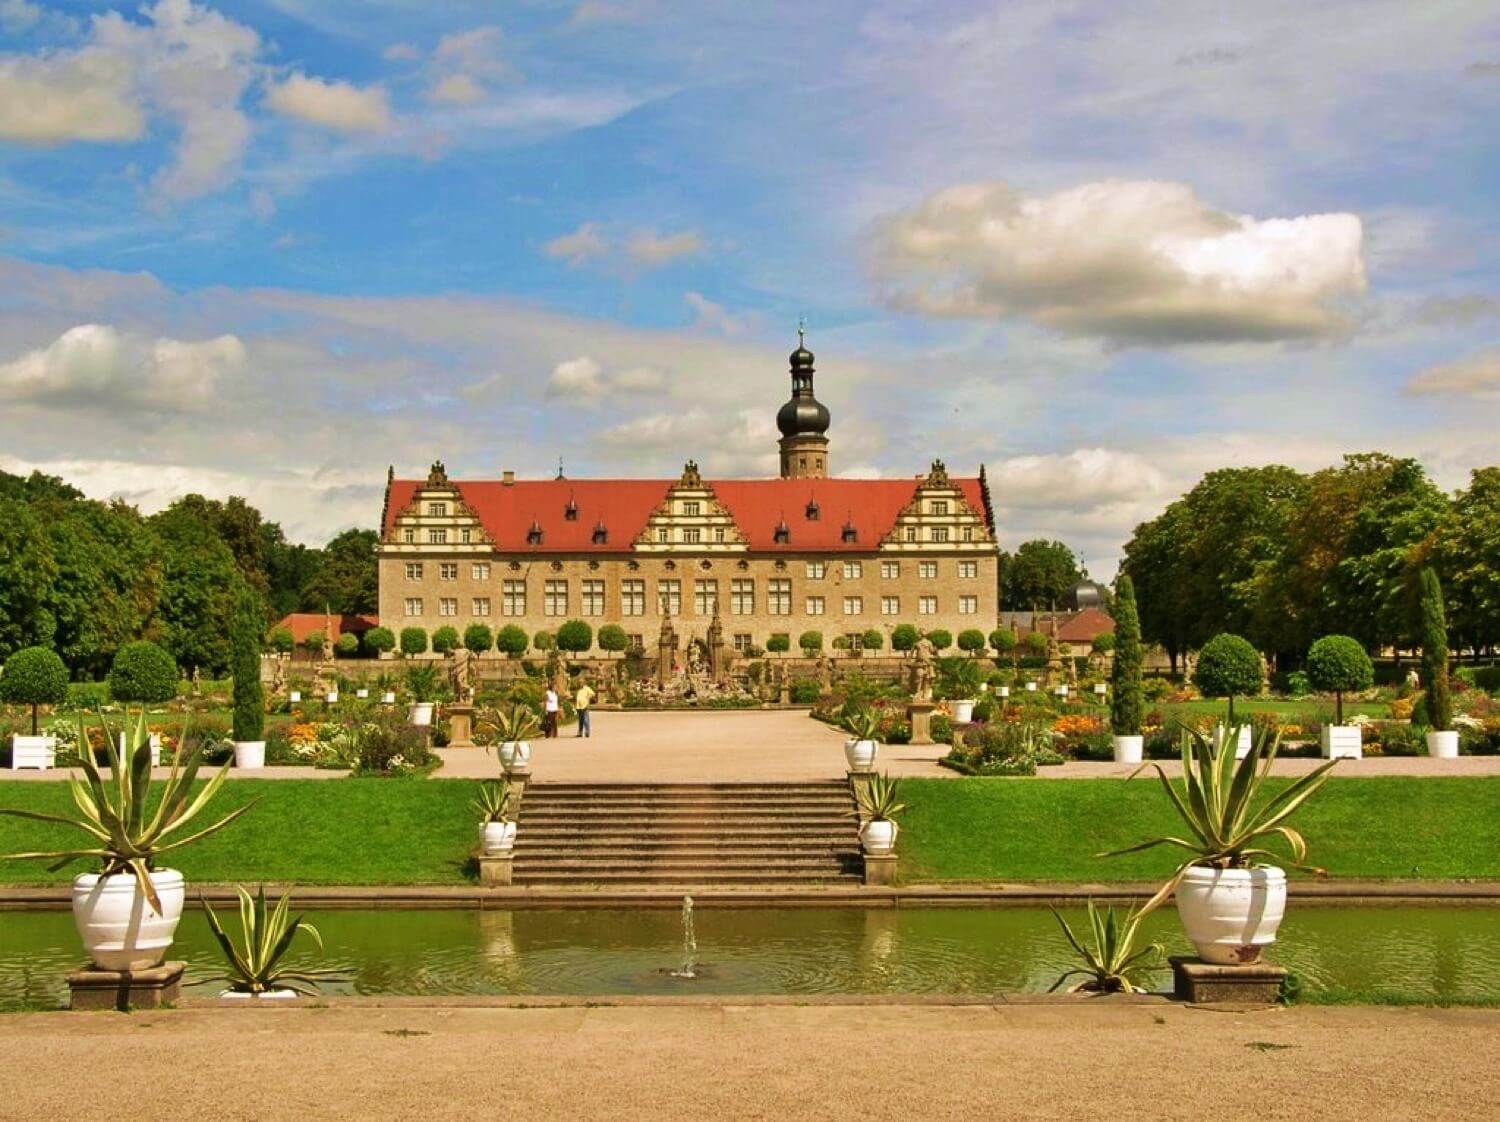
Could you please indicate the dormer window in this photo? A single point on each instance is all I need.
(783, 534)
(812, 510)
(570, 512)
(437, 510)
(691, 509)
(534, 535)
(850, 533)
(601, 534)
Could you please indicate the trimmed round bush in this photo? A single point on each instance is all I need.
(280, 640)
(380, 640)
(347, 645)
(575, 636)
(445, 640)
(478, 638)
(779, 644)
(612, 638)
(872, 640)
(1338, 664)
(1104, 642)
(1228, 666)
(1035, 643)
(904, 637)
(35, 676)
(941, 640)
(811, 642)
(313, 643)
(971, 639)
(543, 641)
(1003, 639)
(142, 672)
(511, 640)
(413, 641)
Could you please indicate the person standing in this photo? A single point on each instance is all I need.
(549, 714)
(584, 699)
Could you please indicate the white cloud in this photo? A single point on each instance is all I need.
(331, 104)
(457, 89)
(18, 16)
(586, 382)
(463, 62)
(1085, 477)
(94, 366)
(584, 243)
(1476, 375)
(714, 316)
(83, 96)
(742, 442)
(640, 379)
(650, 249)
(1131, 261)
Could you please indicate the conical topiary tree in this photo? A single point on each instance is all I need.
(1126, 708)
(249, 700)
(1435, 653)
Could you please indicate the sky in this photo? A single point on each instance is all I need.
(269, 248)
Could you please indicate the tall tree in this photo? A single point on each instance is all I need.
(199, 578)
(1467, 553)
(27, 573)
(347, 581)
(1038, 575)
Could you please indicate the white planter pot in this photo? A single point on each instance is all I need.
(420, 713)
(1003, 691)
(155, 748)
(497, 837)
(32, 751)
(294, 696)
(1230, 914)
(514, 754)
(362, 694)
(265, 995)
(861, 754)
(1341, 742)
(963, 711)
(1062, 691)
(1031, 687)
(388, 698)
(1129, 749)
(120, 930)
(878, 836)
(1242, 749)
(249, 754)
(333, 697)
(1101, 689)
(1442, 745)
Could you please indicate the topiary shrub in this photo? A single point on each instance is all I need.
(872, 640)
(249, 700)
(1126, 707)
(313, 643)
(1338, 664)
(347, 645)
(143, 672)
(543, 641)
(779, 644)
(380, 640)
(941, 640)
(1104, 642)
(904, 637)
(1003, 640)
(1435, 654)
(575, 636)
(811, 642)
(1228, 666)
(36, 676)
(280, 640)
(511, 641)
(1035, 643)
(805, 691)
(445, 640)
(478, 638)
(413, 641)
(612, 638)
(971, 640)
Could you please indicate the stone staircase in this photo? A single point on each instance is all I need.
(687, 834)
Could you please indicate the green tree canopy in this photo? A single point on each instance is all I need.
(1038, 575)
(904, 637)
(1127, 707)
(511, 640)
(612, 638)
(1003, 639)
(575, 635)
(941, 640)
(779, 643)
(1228, 666)
(872, 640)
(143, 672)
(811, 642)
(971, 640)
(34, 676)
(199, 576)
(1338, 664)
(413, 641)
(347, 580)
(380, 640)
(479, 638)
(445, 640)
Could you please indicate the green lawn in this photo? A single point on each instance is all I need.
(1041, 830)
(1311, 708)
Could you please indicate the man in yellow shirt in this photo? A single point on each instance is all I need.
(582, 700)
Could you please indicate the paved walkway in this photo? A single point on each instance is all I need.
(736, 1059)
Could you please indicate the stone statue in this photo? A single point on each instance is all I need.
(825, 674)
(461, 675)
(197, 683)
(921, 670)
(278, 675)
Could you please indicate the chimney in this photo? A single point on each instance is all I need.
(508, 478)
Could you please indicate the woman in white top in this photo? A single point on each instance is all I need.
(549, 714)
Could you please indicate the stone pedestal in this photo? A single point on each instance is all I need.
(880, 869)
(495, 869)
(919, 713)
(460, 726)
(1198, 982)
(123, 990)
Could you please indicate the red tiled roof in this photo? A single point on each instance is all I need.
(1082, 627)
(303, 624)
(508, 510)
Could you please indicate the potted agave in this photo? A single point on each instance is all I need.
(1231, 891)
(514, 727)
(257, 970)
(862, 724)
(127, 913)
(1111, 961)
(423, 683)
(879, 806)
(497, 833)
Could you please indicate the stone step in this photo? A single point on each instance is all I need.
(687, 880)
(821, 798)
(656, 851)
(694, 837)
(737, 813)
(713, 788)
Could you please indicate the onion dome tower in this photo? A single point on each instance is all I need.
(803, 421)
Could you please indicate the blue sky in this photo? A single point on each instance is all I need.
(269, 248)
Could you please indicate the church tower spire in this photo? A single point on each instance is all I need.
(803, 420)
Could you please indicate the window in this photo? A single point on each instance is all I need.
(853, 570)
(782, 535)
(926, 605)
(409, 536)
(815, 570)
(480, 570)
(968, 570)
(719, 534)
(815, 605)
(593, 598)
(743, 642)
(854, 641)
(890, 605)
(481, 606)
(890, 570)
(601, 534)
(849, 535)
(706, 597)
(448, 606)
(854, 605)
(413, 605)
(513, 598)
(437, 537)
(691, 509)
(437, 510)
(742, 597)
(940, 533)
(663, 535)
(692, 535)
(534, 535)
(911, 533)
(636, 640)
(555, 598)
(414, 570)
(632, 597)
(448, 570)
(939, 506)
(927, 570)
(968, 533)
(968, 605)
(669, 597)
(779, 597)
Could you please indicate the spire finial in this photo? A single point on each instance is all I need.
(560, 467)
(801, 331)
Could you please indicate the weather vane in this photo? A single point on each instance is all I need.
(801, 330)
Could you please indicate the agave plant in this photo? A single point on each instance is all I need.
(879, 799)
(859, 721)
(256, 966)
(493, 802)
(515, 722)
(1224, 805)
(130, 828)
(1111, 959)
